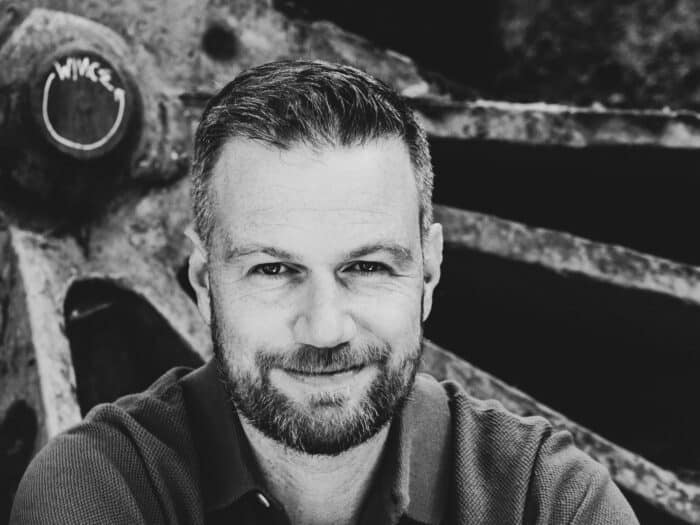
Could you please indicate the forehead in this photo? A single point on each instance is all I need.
(343, 195)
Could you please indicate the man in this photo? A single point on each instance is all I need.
(314, 263)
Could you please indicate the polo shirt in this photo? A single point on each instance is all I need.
(412, 481)
(176, 453)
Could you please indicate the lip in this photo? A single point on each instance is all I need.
(323, 373)
(333, 380)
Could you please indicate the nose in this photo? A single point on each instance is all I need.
(324, 318)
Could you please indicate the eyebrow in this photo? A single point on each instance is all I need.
(252, 249)
(401, 254)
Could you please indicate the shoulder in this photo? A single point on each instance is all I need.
(490, 444)
(510, 468)
(117, 465)
(152, 423)
(487, 427)
(158, 414)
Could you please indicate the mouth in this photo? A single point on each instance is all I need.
(327, 380)
(324, 372)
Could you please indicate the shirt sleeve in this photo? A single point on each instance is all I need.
(568, 486)
(115, 468)
(74, 479)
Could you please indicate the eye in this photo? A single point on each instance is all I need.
(368, 267)
(270, 269)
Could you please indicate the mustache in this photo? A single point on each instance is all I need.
(308, 359)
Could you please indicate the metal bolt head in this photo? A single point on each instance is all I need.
(81, 102)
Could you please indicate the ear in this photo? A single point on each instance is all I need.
(432, 259)
(198, 274)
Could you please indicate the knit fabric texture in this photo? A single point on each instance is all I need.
(135, 462)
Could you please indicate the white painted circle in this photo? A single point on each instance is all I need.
(119, 96)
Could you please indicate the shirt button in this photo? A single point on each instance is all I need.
(263, 500)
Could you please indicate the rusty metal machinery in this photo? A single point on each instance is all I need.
(98, 104)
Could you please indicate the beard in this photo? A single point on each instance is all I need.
(324, 425)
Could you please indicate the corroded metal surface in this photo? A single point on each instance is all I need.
(19, 377)
(566, 253)
(159, 46)
(551, 124)
(138, 248)
(627, 54)
(159, 150)
(660, 487)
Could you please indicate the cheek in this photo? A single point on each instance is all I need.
(394, 318)
(248, 325)
(391, 314)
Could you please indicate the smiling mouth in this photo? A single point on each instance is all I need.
(323, 373)
(342, 381)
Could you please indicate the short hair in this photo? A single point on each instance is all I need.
(314, 103)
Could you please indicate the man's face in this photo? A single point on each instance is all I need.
(315, 287)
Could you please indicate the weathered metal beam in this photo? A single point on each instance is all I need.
(658, 486)
(558, 125)
(34, 354)
(545, 124)
(137, 247)
(566, 253)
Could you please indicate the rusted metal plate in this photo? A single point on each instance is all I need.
(566, 253)
(659, 487)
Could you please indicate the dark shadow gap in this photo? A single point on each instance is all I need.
(623, 363)
(18, 432)
(120, 344)
(184, 281)
(639, 197)
(459, 40)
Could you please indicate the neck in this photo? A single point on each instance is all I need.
(317, 489)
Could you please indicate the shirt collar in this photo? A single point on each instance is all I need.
(227, 470)
(413, 480)
(427, 447)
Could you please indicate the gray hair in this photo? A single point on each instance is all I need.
(314, 103)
